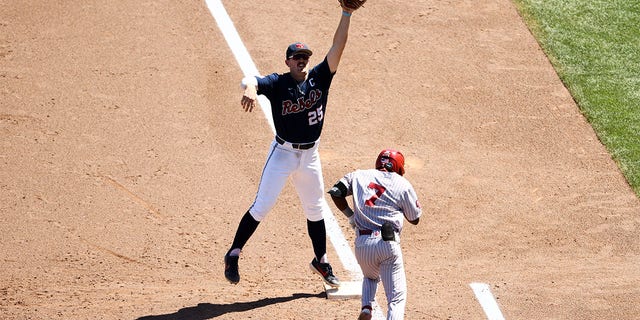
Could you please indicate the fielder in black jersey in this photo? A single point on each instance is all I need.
(298, 104)
(298, 107)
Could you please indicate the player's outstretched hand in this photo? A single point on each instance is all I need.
(249, 98)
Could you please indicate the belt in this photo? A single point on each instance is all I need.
(385, 237)
(301, 146)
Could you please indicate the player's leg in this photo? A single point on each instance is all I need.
(394, 281)
(246, 228)
(366, 255)
(309, 185)
(320, 263)
(278, 166)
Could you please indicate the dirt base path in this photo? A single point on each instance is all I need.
(127, 162)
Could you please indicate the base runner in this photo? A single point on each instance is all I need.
(382, 200)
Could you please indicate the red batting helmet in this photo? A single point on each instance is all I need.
(391, 160)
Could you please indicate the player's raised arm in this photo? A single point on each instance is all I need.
(339, 40)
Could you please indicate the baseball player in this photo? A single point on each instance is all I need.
(298, 105)
(382, 199)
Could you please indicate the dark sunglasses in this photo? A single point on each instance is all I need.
(300, 56)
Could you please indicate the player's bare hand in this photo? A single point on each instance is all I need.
(249, 98)
(248, 104)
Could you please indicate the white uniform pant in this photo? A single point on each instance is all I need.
(305, 170)
(382, 260)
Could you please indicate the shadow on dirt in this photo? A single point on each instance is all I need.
(209, 310)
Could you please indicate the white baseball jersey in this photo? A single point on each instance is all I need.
(378, 197)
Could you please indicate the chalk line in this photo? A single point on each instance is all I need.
(488, 303)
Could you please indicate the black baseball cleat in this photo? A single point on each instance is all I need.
(231, 268)
(325, 271)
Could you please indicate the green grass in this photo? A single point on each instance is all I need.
(594, 45)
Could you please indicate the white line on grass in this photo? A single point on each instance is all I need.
(488, 303)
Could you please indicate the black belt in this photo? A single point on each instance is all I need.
(389, 235)
(301, 146)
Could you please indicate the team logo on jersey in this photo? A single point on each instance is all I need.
(301, 104)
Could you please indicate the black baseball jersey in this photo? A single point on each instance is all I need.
(298, 109)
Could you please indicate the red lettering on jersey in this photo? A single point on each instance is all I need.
(296, 107)
(302, 104)
(286, 107)
(315, 95)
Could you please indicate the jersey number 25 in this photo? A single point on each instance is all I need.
(315, 116)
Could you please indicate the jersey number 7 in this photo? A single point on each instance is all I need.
(379, 191)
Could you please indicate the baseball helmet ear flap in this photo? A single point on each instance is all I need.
(391, 160)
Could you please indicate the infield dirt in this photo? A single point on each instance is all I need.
(127, 162)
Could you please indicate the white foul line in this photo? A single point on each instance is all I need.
(239, 51)
(488, 303)
(342, 246)
(249, 69)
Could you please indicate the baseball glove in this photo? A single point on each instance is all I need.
(351, 4)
